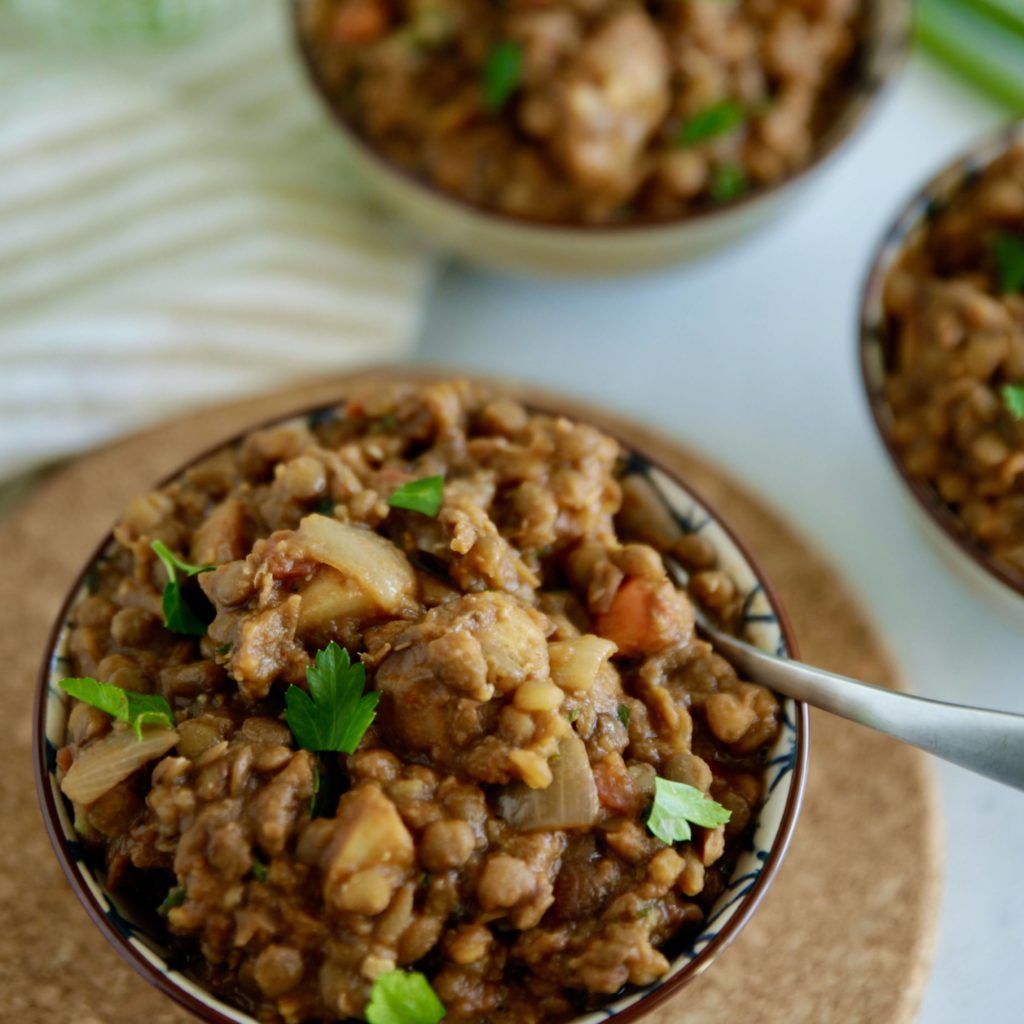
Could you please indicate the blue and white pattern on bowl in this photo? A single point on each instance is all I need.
(995, 580)
(133, 933)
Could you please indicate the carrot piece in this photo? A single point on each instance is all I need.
(630, 622)
(360, 21)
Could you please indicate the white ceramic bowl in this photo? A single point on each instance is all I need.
(505, 242)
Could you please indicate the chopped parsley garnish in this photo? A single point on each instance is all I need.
(176, 895)
(677, 806)
(503, 73)
(1013, 399)
(325, 506)
(259, 870)
(1009, 253)
(729, 181)
(137, 709)
(403, 997)
(718, 119)
(335, 713)
(572, 714)
(624, 711)
(423, 495)
(179, 615)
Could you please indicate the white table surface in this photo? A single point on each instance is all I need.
(750, 357)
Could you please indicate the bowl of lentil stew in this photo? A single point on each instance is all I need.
(577, 138)
(942, 358)
(210, 871)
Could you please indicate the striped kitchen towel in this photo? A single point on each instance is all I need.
(176, 226)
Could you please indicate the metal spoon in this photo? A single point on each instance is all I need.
(990, 743)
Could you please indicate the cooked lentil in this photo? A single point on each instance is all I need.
(515, 628)
(590, 111)
(955, 339)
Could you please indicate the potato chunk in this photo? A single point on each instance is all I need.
(329, 597)
(368, 857)
(370, 561)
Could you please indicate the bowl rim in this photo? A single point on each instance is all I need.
(210, 1014)
(866, 89)
(911, 216)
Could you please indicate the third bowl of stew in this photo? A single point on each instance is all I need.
(390, 711)
(942, 349)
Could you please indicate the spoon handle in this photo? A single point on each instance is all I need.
(990, 743)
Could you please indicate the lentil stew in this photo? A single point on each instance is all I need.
(537, 675)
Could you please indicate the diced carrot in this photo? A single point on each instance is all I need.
(630, 620)
(360, 21)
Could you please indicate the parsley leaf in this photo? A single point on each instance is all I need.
(624, 711)
(1013, 399)
(259, 870)
(335, 713)
(676, 805)
(1009, 253)
(179, 615)
(503, 72)
(423, 496)
(729, 181)
(709, 123)
(403, 997)
(137, 709)
(176, 895)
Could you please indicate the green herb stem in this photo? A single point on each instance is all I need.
(1007, 15)
(970, 45)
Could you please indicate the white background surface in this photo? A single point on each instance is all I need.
(750, 357)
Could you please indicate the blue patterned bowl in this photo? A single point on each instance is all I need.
(994, 580)
(141, 942)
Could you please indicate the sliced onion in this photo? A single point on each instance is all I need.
(99, 768)
(576, 662)
(569, 802)
(366, 558)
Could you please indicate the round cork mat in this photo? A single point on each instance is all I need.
(844, 936)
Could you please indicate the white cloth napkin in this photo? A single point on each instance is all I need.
(179, 225)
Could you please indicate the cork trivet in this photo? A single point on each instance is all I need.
(844, 936)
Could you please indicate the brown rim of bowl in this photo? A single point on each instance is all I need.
(73, 872)
(912, 214)
(865, 90)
